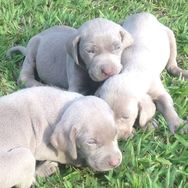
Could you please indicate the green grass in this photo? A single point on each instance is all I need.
(151, 159)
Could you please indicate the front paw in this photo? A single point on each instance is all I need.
(46, 168)
(178, 125)
(151, 125)
(182, 127)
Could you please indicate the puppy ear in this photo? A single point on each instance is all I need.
(97, 93)
(65, 141)
(146, 110)
(126, 38)
(72, 47)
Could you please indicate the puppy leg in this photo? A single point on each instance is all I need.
(165, 105)
(46, 168)
(27, 73)
(172, 65)
(17, 168)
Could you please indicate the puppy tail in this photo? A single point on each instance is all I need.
(15, 49)
(172, 66)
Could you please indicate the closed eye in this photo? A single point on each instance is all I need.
(92, 141)
(116, 46)
(90, 51)
(125, 117)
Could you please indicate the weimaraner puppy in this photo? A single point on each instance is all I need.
(154, 48)
(46, 123)
(75, 59)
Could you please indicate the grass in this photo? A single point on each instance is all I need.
(151, 159)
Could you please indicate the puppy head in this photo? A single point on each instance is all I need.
(129, 109)
(98, 44)
(122, 102)
(127, 105)
(88, 132)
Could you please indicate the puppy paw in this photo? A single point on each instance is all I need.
(28, 83)
(151, 125)
(183, 127)
(46, 168)
(179, 125)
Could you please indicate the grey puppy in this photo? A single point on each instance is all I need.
(45, 123)
(154, 48)
(75, 59)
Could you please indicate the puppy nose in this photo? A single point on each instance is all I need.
(107, 70)
(114, 162)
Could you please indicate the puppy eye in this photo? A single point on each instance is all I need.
(90, 51)
(92, 141)
(116, 46)
(125, 117)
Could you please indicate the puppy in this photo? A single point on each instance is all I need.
(154, 48)
(46, 50)
(45, 123)
(75, 59)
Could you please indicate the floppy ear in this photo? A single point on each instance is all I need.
(126, 38)
(146, 110)
(72, 47)
(97, 93)
(65, 141)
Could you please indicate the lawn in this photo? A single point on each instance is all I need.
(151, 159)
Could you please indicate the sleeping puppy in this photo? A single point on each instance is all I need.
(45, 123)
(75, 59)
(154, 48)
(45, 51)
